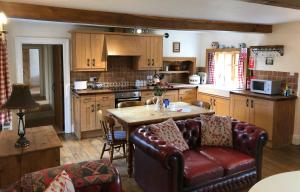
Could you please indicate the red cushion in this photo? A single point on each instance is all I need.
(231, 160)
(199, 169)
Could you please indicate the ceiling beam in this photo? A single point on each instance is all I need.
(48, 13)
(293, 4)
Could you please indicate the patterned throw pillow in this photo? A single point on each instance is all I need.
(216, 130)
(61, 183)
(169, 132)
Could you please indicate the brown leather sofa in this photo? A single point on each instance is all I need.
(162, 168)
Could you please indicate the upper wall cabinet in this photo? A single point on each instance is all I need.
(152, 53)
(88, 52)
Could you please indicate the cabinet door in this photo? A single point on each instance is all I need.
(104, 102)
(205, 97)
(88, 114)
(82, 57)
(98, 52)
(156, 52)
(172, 95)
(76, 116)
(222, 106)
(144, 60)
(146, 95)
(188, 95)
(261, 114)
(239, 107)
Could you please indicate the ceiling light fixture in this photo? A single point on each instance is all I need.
(139, 30)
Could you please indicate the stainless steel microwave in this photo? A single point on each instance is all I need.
(269, 87)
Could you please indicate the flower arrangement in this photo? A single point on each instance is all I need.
(160, 88)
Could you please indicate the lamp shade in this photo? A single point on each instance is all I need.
(20, 98)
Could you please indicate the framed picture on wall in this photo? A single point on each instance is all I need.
(269, 61)
(176, 47)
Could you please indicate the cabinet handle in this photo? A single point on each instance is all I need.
(247, 103)
(88, 62)
(93, 108)
(252, 103)
(214, 102)
(93, 62)
(152, 62)
(148, 62)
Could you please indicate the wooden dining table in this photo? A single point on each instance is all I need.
(133, 117)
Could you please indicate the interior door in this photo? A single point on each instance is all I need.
(98, 52)
(261, 114)
(58, 87)
(239, 108)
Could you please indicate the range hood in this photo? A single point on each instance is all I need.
(123, 45)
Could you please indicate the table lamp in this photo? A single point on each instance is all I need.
(22, 100)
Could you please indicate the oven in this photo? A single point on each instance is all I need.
(127, 96)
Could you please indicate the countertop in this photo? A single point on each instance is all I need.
(262, 96)
(175, 86)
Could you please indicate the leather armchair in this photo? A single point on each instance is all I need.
(161, 167)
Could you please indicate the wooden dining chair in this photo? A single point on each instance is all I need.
(112, 139)
(151, 101)
(129, 104)
(203, 104)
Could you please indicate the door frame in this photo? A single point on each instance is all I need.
(19, 41)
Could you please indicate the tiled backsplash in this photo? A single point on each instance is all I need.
(285, 77)
(123, 69)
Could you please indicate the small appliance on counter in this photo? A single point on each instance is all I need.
(268, 87)
(194, 79)
(203, 77)
(80, 85)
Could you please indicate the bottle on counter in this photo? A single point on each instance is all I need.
(286, 91)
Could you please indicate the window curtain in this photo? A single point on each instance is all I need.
(211, 67)
(5, 90)
(242, 59)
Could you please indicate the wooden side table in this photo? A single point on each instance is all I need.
(288, 182)
(43, 152)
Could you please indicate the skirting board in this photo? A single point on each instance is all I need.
(296, 140)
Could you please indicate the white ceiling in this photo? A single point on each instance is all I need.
(226, 10)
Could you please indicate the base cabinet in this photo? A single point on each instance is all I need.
(221, 105)
(85, 117)
(172, 95)
(276, 117)
(188, 95)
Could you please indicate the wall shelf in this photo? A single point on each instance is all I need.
(173, 72)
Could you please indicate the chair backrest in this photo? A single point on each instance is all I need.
(129, 104)
(107, 123)
(203, 104)
(151, 101)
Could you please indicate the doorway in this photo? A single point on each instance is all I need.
(43, 72)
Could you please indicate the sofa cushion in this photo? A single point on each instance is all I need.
(231, 160)
(61, 183)
(216, 130)
(169, 132)
(199, 169)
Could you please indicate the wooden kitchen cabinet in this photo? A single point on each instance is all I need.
(275, 116)
(151, 53)
(220, 105)
(172, 95)
(188, 95)
(88, 52)
(145, 95)
(85, 119)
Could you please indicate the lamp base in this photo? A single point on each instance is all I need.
(22, 142)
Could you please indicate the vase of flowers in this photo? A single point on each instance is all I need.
(159, 91)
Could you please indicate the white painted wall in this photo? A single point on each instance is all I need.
(189, 44)
(34, 63)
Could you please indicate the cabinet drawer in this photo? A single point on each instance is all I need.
(187, 91)
(87, 99)
(106, 100)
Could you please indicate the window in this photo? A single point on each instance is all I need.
(226, 69)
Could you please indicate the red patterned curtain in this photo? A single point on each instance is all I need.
(242, 59)
(5, 90)
(211, 67)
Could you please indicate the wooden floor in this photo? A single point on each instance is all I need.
(274, 160)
